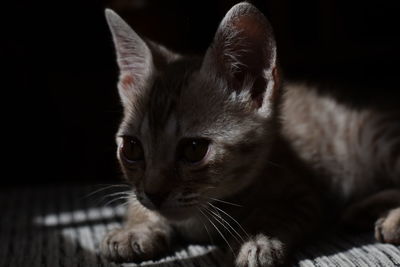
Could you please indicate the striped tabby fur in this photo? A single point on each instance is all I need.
(281, 157)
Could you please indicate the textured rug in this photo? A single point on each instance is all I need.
(63, 225)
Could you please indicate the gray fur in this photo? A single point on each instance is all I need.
(275, 155)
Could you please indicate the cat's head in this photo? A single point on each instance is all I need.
(195, 129)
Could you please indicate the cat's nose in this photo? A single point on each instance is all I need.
(157, 198)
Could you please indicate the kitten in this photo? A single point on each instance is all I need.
(219, 146)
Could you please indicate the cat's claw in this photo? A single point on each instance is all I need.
(261, 251)
(134, 245)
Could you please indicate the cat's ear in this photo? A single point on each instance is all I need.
(243, 54)
(133, 56)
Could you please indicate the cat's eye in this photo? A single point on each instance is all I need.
(131, 149)
(193, 150)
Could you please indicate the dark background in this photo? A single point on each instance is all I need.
(59, 99)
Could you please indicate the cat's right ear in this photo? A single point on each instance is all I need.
(243, 56)
(133, 56)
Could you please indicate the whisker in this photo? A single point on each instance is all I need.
(230, 218)
(126, 203)
(116, 199)
(218, 218)
(122, 192)
(230, 226)
(126, 193)
(225, 202)
(105, 188)
(216, 228)
(205, 227)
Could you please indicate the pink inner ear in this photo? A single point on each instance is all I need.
(127, 81)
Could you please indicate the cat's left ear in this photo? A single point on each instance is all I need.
(243, 54)
(134, 58)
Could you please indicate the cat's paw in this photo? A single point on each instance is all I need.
(387, 228)
(261, 251)
(135, 244)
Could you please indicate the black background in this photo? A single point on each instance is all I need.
(59, 99)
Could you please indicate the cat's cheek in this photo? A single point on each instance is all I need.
(197, 172)
(133, 175)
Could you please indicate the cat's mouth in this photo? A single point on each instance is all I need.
(178, 213)
(172, 210)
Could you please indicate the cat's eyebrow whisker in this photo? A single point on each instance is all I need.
(223, 222)
(230, 218)
(225, 202)
(220, 233)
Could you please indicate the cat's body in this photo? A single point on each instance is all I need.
(356, 150)
(198, 131)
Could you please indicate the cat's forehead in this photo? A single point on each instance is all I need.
(183, 101)
(166, 93)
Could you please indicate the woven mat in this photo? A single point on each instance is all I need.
(63, 225)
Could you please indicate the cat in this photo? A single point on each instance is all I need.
(220, 147)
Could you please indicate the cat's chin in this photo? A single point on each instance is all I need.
(178, 213)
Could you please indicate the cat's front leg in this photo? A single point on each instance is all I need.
(381, 210)
(144, 236)
(281, 227)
